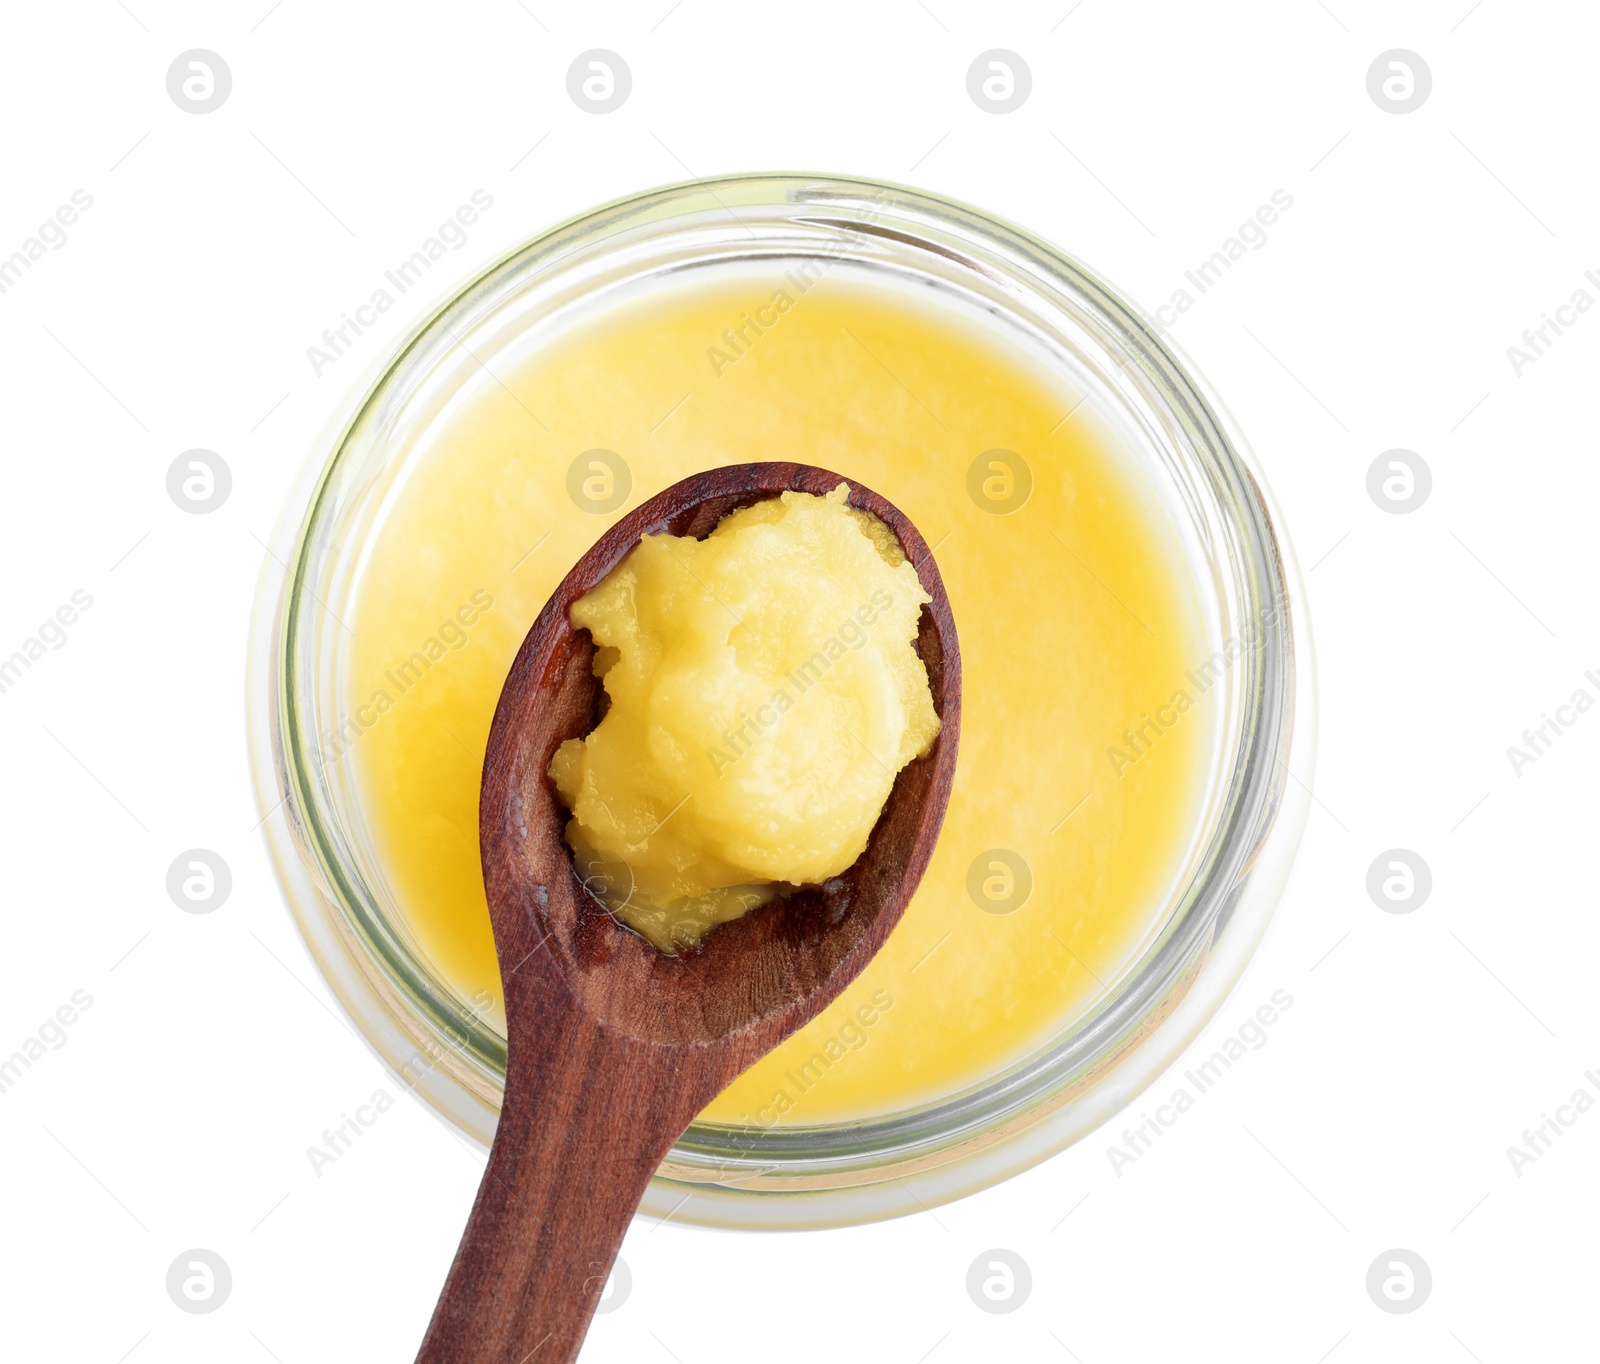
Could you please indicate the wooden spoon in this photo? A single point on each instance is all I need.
(612, 1047)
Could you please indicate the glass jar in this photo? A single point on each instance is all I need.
(1252, 810)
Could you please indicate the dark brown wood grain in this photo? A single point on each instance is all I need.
(613, 1047)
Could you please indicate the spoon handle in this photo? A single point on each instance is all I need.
(587, 1118)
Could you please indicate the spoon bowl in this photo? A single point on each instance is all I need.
(613, 1047)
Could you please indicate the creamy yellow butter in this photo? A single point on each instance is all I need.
(1075, 614)
(764, 693)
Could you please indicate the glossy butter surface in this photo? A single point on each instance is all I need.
(763, 692)
(1083, 741)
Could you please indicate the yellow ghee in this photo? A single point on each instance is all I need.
(1073, 804)
(764, 692)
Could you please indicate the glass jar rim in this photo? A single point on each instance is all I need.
(827, 1161)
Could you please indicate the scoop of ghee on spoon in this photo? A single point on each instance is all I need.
(763, 691)
(614, 1045)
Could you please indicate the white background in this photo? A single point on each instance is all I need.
(1378, 314)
